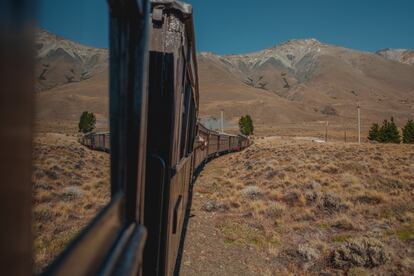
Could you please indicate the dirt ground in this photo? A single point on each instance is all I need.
(70, 186)
(293, 207)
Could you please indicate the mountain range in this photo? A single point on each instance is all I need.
(299, 82)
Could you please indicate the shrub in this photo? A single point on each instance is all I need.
(329, 110)
(275, 210)
(252, 192)
(408, 132)
(389, 132)
(246, 125)
(374, 133)
(370, 198)
(212, 206)
(294, 198)
(87, 122)
(72, 193)
(332, 203)
(360, 252)
(344, 223)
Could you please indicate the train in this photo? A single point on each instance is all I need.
(208, 144)
(100, 141)
(177, 144)
(156, 143)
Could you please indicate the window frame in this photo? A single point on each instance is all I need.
(113, 242)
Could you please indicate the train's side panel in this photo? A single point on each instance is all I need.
(223, 143)
(200, 146)
(179, 197)
(172, 38)
(234, 143)
(243, 141)
(213, 144)
(97, 141)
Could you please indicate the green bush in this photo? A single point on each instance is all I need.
(246, 125)
(408, 132)
(374, 132)
(387, 133)
(87, 122)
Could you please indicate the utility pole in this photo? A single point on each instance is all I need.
(222, 121)
(359, 123)
(326, 131)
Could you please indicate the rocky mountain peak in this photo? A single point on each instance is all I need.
(400, 55)
(61, 61)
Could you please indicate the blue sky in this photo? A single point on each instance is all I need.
(239, 26)
(84, 21)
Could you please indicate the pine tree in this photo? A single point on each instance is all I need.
(389, 132)
(374, 133)
(246, 125)
(249, 124)
(408, 132)
(87, 122)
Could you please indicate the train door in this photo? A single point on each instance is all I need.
(159, 151)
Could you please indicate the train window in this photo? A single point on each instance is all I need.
(71, 174)
(186, 117)
(191, 125)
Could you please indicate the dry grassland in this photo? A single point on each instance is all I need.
(288, 207)
(70, 186)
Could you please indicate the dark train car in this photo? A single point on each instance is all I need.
(102, 141)
(243, 141)
(172, 113)
(224, 143)
(86, 140)
(213, 143)
(200, 146)
(234, 143)
(97, 141)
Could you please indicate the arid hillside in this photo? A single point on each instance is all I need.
(306, 81)
(292, 207)
(288, 89)
(70, 78)
(60, 61)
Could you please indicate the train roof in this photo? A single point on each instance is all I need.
(218, 132)
(185, 8)
(186, 11)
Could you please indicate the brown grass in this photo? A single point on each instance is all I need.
(306, 200)
(70, 185)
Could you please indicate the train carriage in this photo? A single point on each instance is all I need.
(200, 146)
(213, 143)
(172, 113)
(243, 141)
(233, 143)
(223, 143)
